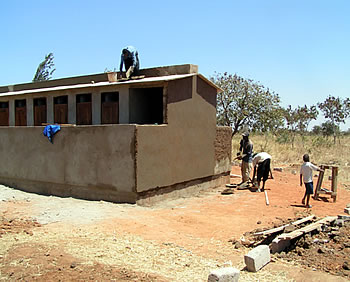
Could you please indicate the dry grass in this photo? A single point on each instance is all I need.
(320, 149)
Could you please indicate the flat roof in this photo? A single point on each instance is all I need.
(92, 84)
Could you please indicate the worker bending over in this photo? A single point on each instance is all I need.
(130, 58)
(263, 162)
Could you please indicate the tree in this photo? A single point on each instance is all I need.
(292, 119)
(305, 115)
(336, 110)
(317, 129)
(45, 69)
(245, 103)
(328, 129)
(298, 119)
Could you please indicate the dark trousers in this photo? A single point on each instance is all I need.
(263, 170)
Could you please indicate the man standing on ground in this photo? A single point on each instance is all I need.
(263, 161)
(246, 148)
(130, 58)
(306, 172)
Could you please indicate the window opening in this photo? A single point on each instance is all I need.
(146, 105)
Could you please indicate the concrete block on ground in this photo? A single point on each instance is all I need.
(278, 245)
(225, 274)
(344, 217)
(257, 258)
(339, 222)
(347, 210)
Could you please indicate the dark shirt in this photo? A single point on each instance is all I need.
(132, 58)
(247, 148)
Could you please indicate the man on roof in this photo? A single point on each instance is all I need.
(129, 58)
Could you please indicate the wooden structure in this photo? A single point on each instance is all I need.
(333, 191)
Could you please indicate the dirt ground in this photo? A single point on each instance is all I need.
(66, 239)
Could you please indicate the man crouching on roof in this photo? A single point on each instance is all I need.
(129, 58)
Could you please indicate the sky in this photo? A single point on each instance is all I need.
(299, 49)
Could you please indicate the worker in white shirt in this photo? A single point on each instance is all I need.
(262, 161)
(306, 174)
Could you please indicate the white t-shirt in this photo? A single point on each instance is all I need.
(260, 157)
(306, 170)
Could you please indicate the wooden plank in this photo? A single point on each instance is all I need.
(334, 182)
(231, 185)
(306, 229)
(278, 229)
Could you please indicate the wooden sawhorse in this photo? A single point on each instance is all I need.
(333, 191)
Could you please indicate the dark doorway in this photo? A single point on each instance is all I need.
(146, 105)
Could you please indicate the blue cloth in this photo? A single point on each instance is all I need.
(50, 130)
(131, 60)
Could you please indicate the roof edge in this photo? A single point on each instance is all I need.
(100, 77)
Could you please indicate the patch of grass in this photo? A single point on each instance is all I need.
(321, 151)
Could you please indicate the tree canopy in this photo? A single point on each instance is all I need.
(45, 69)
(246, 103)
(336, 111)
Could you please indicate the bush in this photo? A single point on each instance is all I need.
(283, 137)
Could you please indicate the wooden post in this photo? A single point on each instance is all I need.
(319, 182)
(334, 183)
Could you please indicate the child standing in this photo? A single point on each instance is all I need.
(306, 173)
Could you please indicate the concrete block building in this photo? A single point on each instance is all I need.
(130, 141)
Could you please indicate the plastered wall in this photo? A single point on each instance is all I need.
(95, 162)
(184, 149)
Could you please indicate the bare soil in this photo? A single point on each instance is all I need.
(65, 239)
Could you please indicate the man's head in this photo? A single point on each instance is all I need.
(125, 53)
(245, 135)
(306, 158)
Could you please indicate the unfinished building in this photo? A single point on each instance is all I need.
(131, 141)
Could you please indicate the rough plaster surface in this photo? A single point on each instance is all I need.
(223, 143)
(92, 159)
(183, 149)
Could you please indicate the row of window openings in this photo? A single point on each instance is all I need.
(109, 110)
